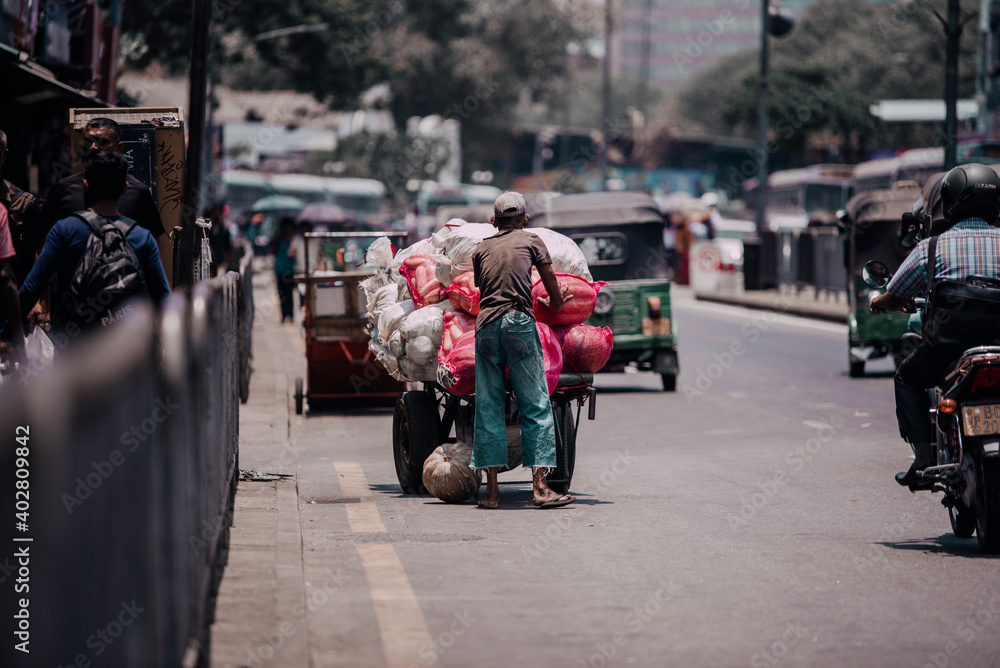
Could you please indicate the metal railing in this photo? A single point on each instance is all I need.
(130, 442)
(797, 259)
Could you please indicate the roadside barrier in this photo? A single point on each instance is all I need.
(129, 451)
(795, 259)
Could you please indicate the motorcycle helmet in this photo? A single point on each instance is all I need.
(971, 191)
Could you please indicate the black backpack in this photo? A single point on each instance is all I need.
(960, 314)
(107, 275)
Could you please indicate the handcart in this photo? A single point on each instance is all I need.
(340, 369)
(426, 417)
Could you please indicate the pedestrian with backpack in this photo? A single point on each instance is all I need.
(101, 259)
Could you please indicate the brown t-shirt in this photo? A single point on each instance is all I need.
(502, 265)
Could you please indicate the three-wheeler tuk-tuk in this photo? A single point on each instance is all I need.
(621, 235)
(340, 369)
(873, 230)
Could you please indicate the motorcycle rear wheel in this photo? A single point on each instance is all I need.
(988, 505)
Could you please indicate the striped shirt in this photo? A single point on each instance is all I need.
(971, 246)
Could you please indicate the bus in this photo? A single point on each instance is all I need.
(365, 197)
(243, 188)
(306, 187)
(805, 197)
(462, 194)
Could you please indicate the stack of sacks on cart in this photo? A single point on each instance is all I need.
(423, 303)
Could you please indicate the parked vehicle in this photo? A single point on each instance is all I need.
(242, 188)
(872, 229)
(799, 198)
(965, 415)
(717, 264)
(621, 235)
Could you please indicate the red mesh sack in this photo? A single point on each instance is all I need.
(457, 369)
(552, 354)
(424, 286)
(581, 295)
(456, 323)
(463, 293)
(585, 348)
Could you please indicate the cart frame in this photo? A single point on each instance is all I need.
(426, 416)
(340, 368)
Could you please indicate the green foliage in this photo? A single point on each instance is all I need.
(841, 57)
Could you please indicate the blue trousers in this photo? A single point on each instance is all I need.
(512, 341)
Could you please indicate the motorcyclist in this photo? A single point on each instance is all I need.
(971, 245)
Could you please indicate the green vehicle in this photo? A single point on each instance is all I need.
(872, 228)
(621, 235)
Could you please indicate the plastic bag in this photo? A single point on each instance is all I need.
(567, 258)
(586, 349)
(425, 288)
(391, 317)
(459, 245)
(463, 294)
(580, 298)
(38, 349)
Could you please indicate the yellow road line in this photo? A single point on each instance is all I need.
(364, 518)
(400, 620)
(352, 479)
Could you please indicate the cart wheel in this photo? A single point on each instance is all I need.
(669, 382)
(559, 479)
(414, 437)
(299, 396)
(856, 369)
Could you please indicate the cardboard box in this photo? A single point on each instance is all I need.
(155, 148)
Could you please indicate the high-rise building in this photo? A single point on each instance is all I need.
(684, 36)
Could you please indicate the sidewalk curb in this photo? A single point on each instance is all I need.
(780, 304)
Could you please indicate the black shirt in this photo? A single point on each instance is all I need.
(67, 197)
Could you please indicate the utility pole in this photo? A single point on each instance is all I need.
(953, 33)
(762, 155)
(606, 105)
(197, 95)
(647, 20)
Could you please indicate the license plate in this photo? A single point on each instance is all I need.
(981, 420)
(656, 327)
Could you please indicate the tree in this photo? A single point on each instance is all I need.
(841, 57)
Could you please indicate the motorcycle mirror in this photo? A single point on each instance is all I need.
(875, 274)
(909, 231)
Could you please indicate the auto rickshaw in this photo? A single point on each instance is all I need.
(621, 235)
(340, 369)
(873, 229)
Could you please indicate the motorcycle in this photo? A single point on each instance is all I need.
(965, 414)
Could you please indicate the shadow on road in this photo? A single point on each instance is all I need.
(946, 543)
